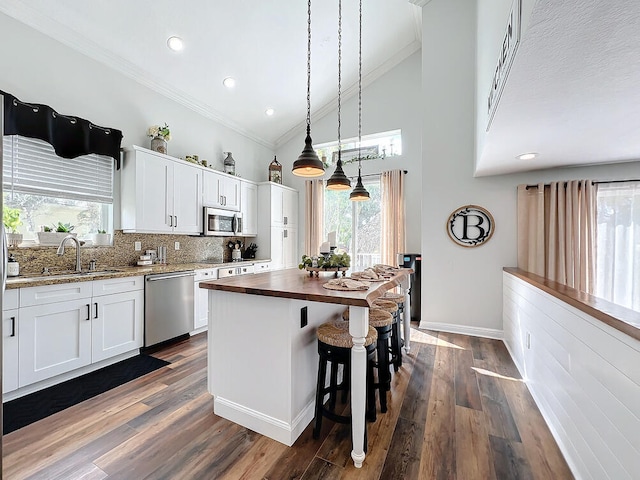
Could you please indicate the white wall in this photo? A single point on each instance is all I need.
(389, 103)
(462, 287)
(583, 376)
(38, 69)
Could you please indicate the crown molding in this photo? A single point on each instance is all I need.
(351, 91)
(419, 3)
(61, 33)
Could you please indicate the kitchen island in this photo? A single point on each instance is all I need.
(263, 360)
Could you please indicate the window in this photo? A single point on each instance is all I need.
(618, 244)
(377, 145)
(357, 224)
(48, 189)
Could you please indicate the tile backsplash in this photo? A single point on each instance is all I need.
(33, 259)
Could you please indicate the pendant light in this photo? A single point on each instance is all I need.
(308, 164)
(359, 193)
(339, 180)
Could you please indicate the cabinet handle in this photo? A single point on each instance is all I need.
(13, 327)
(286, 221)
(286, 234)
(171, 220)
(96, 305)
(88, 311)
(176, 222)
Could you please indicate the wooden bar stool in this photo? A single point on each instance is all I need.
(390, 305)
(334, 346)
(382, 321)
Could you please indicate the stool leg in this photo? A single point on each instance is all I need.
(334, 386)
(346, 375)
(371, 393)
(396, 349)
(322, 373)
(384, 377)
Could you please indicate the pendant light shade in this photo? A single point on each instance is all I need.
(338, 181)
(359, 193)
(308, 164)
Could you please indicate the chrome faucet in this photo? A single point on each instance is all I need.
(77, 242)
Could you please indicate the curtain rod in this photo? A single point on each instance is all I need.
(596, 183)
(375, 174)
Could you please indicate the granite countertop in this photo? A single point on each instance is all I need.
(36, 280)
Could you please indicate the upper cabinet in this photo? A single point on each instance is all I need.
(160, 194)
(284, 205)
(221, 191)
(249, 208)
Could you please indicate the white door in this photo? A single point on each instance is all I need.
(277, 248)
(290, 208)
(54, 338)
(211, 196)
(290, 248)
(117, 324)
(249, 208)
(9, 350)
(230, 192)
(156, 198)
(277, 206)
(187, 199)
(201, 307)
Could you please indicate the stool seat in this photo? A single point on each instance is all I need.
(377, 317)
(394, 297)
(337, 334)
(387, 305)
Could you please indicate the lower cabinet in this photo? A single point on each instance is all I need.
(10, 350)
(283, 248)
(60, 328)
(201, 298)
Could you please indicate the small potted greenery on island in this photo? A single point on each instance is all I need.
(101, 238)
(54, 235)
(11, 221)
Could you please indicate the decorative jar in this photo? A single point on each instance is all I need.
(159, 144)
(229, 164)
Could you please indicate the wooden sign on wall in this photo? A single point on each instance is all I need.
(470, 226)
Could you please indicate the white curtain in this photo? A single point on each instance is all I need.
(393, 216)
(618, 237)
(557, 232)
(314, 215)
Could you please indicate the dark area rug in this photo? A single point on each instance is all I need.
(22, 411)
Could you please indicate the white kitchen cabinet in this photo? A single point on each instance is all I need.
(249, 208)
(221, 190)
(10, 325)
(201, 298)
(54, 338)
(117, 324)
(278, 225)
(68, 326)
(261, 267)
(160, 194)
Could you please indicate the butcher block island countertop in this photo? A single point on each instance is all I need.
(263, 354)
(298, 284)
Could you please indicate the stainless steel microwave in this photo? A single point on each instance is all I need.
(222, 223)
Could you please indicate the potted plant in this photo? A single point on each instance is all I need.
(11, 220)
(54, 235)
(101, 238)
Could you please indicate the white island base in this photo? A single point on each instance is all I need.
(262, 365)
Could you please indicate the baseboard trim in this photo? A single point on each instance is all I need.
(463, 329)
(271, 427)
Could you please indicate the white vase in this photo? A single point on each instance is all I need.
(52, 238)
(14, 239)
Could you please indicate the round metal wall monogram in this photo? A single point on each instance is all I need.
(470, 226)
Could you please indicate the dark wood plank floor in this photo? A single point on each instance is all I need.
(457, 410)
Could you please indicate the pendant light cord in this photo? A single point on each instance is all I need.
(339, 76)
(360, 91)
(308, 67)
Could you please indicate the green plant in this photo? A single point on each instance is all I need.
(102, 231)
(63, 227)
(46, 229)
(11, 219)
(158, 131)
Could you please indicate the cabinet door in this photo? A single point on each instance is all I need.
(211, 196)
(54, 338)
(249, 208)
(290, 208)
(277, 206)
(9, 350)
(290, 248)
(201, 307)
(230, 192)
(156, 194)
(277, 248)
(116, 324)
(187, 199)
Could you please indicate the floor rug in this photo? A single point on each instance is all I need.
(22, 411)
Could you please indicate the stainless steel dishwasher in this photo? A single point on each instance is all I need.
(168, 307)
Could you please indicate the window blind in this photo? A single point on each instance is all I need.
(31, 166)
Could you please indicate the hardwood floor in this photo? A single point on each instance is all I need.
(457, 410)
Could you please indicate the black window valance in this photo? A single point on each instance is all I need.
(69, 136)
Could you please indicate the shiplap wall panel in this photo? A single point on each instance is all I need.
(584, 376)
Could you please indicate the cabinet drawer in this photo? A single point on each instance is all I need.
(63, 292)
(117, 285)
(262, 267)
(207, 274)
(11, 299)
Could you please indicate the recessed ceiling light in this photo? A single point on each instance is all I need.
(527, 156)
(229, 82)
(175, 43)
(269, 112)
